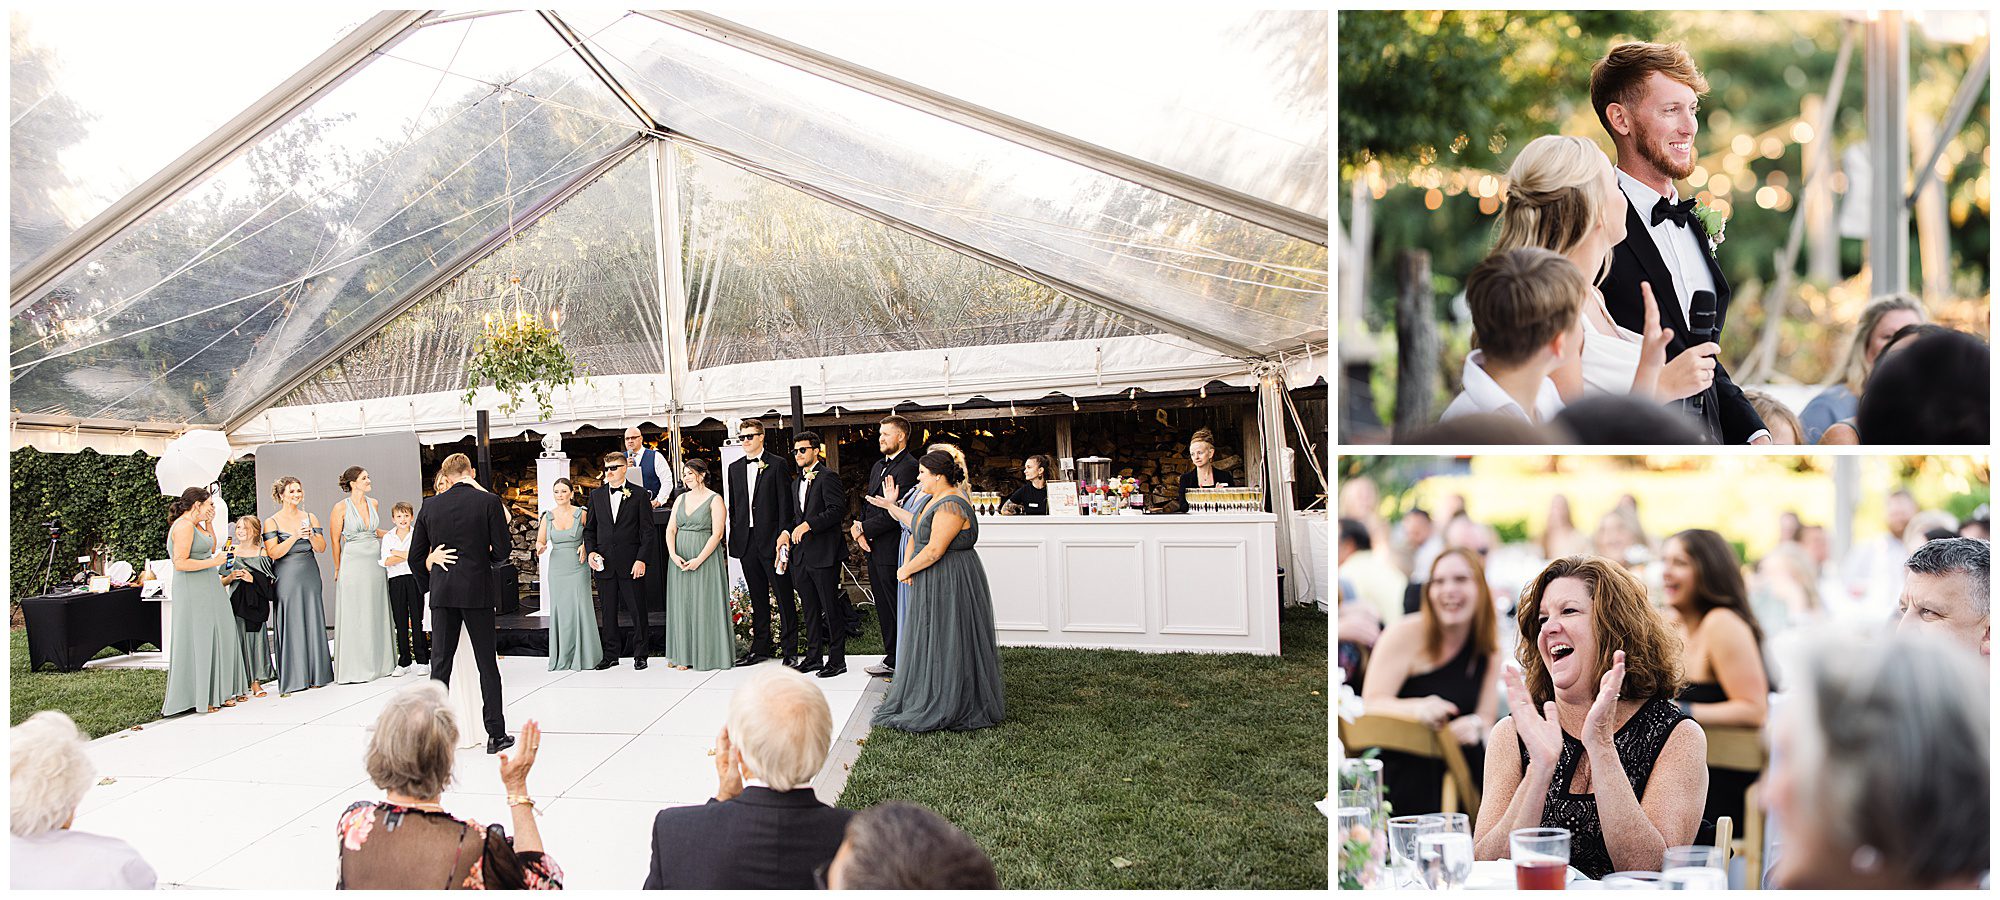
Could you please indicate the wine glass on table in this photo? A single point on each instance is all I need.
(1404, 831)
(1444, 854)
(1693, 868)
(1541, 858)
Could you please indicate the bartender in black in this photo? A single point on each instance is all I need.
(1201, 451)
(1033, 498)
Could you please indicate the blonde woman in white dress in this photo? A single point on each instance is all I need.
(1562, 195)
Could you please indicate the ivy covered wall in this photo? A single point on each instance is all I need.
(112, 501)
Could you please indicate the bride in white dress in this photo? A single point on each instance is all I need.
(1562, 195)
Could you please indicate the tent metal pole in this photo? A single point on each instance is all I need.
(670, 288)
(576, 44)
(461, 17)
(493, 241)
(1067, 287)
(215, 151)
(1888, 82)
(1249, 208)
(1271, 416)
(1969, 89)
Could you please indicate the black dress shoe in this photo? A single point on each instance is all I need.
(835, 670)
(791, 662)
(639, 663)
(607, 663)
(751, 659)
(495, 745)
(808, 665)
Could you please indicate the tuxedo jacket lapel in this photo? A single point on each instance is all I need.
(1640, 242)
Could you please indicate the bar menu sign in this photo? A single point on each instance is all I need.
(1062, 498)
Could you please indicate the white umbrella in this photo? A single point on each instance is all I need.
(194, 459)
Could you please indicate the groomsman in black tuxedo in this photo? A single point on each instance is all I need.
(1647, 96)
(761, 516)
(880, 535)
(619, 537)
(817, 546)
(470, 523)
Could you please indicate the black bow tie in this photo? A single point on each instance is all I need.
(1679, 212)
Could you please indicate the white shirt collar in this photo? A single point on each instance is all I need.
(1486, 395)
(1643, 196)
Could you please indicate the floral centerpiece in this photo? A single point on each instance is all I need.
(1363, 813)
(742, 613)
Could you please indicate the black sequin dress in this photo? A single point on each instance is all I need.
(1639, 743)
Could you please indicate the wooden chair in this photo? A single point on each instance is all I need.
(1740, 749)
(1407, 736)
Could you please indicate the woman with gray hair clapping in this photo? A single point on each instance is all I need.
(417, 844)
(49, 772)
(1880, 766)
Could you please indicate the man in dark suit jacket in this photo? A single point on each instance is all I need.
(760, 514)
(618, 538)
(773, 834)
(881, 535)
(1646, 97)
(470, 523)
(817, 548)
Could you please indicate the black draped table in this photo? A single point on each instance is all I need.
(69, 629)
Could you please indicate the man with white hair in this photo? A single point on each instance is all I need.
(1947, 591)
(765, 829)
(49, 772)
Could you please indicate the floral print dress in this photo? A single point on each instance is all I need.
(389, 846)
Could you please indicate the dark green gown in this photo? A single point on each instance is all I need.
(948, 667)
(699, 634)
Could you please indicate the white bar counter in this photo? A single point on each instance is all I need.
(1205, 583)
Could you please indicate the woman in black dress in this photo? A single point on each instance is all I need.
(1033, 498)
(1724, 659)
(1201, 452)
(1595, 744)
(1442, 668)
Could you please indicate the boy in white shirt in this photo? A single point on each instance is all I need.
(1527, 307)
(406, 599)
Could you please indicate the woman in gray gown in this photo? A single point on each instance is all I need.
(292, 543)
(699, 634)
(206, 670)
(573, 639)
(256, 645)
(364, 641)
(948, 676)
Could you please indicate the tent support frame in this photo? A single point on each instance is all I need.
(1274, 216)
(1271, 419)
(270, 112)
(458, 265)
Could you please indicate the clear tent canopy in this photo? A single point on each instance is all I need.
(728, 204)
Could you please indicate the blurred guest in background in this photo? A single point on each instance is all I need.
(1873, 570)
(1620, 538)
(1880, 769)
(1440, 668)
(1882, 318)
(1559, 535)
(1412, 536)
(49, 771)
(1948, 592)
(1929, 525)
(1723, 654)
(1778, 418)
(1379, 583)
(1786, 592)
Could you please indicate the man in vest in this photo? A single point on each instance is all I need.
(654, 472)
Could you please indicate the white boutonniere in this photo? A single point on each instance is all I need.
(1713, 222)
(812, 475)
(758, 465)
(625, 492)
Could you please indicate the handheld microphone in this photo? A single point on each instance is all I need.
(1701, 326)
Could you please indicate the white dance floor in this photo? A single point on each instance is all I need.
(248, 797)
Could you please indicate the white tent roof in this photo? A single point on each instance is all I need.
(711, 211)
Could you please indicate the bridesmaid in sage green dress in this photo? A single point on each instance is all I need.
(293, 544)
(364, 641)
(948, 670)
(573, 639)
(699, 634)
(256, 646)
(205, 670)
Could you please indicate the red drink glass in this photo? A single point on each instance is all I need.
(1541, 858)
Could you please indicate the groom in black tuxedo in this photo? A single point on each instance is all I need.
(761, 513)
(1647, 96)
(618, 538)
(470, 523)
(817, 547)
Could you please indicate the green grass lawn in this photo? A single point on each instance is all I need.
(1119, 770)
(100, 700)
